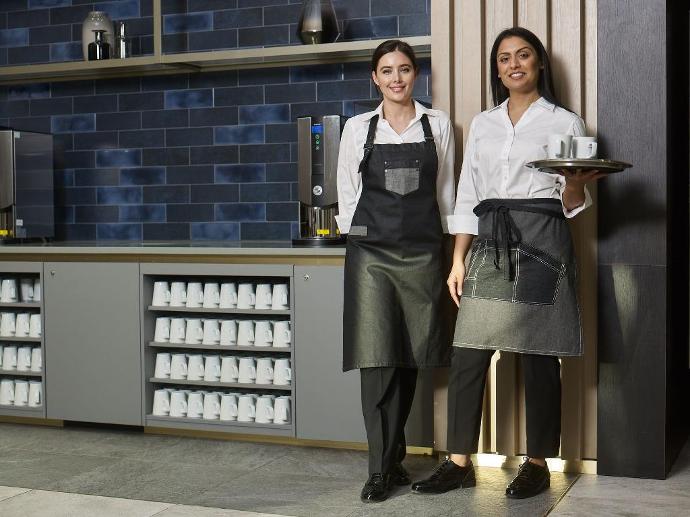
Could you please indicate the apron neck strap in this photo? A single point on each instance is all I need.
(428, 135)
(369, 144)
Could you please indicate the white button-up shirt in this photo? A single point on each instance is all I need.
(352, 151)
(496, 154)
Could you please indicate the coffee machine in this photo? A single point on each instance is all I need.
(318, 142)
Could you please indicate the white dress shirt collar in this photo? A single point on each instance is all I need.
(419, 110)
(540, 102)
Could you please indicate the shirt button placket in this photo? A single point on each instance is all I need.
(505, 162)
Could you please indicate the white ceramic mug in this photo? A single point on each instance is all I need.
(26, 289)
(263, 333)
(6, 392)
(211, 334)
(195, 294)
(9, 357)
(228, 407)
(21, 393)
(282, 372)
(228, 295)
(37, 289)
(246, 298)
(178, 366)
(195, 367)
(8, 324)
(281, 410)
(246, 407)
(178, 294)
(247, 370)
(229, 368)
(559, 146)
(584, 147)
(264, 296)
(35, 325)
(22, 324)
(8, 290)
(36, 359)
(211, 406)
(194, 331)
(195, 404)
(211, 295)
(161, 294)
(281, 334)
(161, 402)
(24, 358)
(162, 331)
(163, 365)
(228, 333)
(178, 330)
(178, 403)
(245, 333)
(1, 347)
(264, 409)
(211, 368)
(264, 370)
(280, 297)
(35, 390)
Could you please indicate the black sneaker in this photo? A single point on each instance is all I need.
(531, 480)
(377, 488)
(447, 476)
(399, 475)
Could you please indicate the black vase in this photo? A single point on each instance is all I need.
(99, 48)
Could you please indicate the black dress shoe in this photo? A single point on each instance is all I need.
(377, 488)
(399, 475)
(530, 480)
(447, 476)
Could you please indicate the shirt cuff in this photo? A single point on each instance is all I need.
(344, 222)
(468, 224)
(572, 213)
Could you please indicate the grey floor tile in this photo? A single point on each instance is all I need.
(599, 507)
(200, 511)
(9, 491)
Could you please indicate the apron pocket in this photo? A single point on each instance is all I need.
(402, 176)
(537, 276)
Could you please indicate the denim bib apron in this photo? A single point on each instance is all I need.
(397, 309)
(519, 293)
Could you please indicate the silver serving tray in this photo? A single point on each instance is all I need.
(557, 166)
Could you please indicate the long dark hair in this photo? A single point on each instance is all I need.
(392, 45)
(545, 83)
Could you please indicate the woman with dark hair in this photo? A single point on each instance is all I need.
(518, 293)
(396, 189)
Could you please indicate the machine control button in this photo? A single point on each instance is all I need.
(317, 190)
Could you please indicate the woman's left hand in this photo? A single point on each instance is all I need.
(581, 177)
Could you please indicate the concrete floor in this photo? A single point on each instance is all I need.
(93, 471)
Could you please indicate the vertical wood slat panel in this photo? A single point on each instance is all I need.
(534, 15)
(500, 14)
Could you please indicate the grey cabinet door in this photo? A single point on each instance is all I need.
(92, 349)
(328, 405)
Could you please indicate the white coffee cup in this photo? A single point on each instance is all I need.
(211, 332)
(6, 392)
(178, 403)
(195, 294)
(195, 367)
(281, 334)
(26, 289)
(559, 146)
(178, 330)
(178, 366)
(163, 365)
(247, 370)
(195, 404)
(22, 324)
(228, 333)
(264, 296)
(228, 407)
(9, 357)
(264, 370)
(228, 295)
(264, 409)
(8, 290)
(24, 358)
(8, 324)
(161, 294)
(211, 295)
(37, 289)
(36, 359)
(246, 407)
(21, 393)
(584, 147)
(281, 410)
(162, 331)
(211, 406)
(282, 372)
(178, 294)
(35, 396)
(35, 325)
(211, 368)
(1, 347)
(229, 368)
(161, 402)
(246, 298)
(195, 332)
(245, 333)
(263, 333)
(280, 297)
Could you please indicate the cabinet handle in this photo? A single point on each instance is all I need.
(52, 272)
(306, 277)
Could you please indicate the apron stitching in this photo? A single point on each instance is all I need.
(540, 260)
(517, 276)
(561, 275)
(504, 348)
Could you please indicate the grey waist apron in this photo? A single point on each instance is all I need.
(397, 311)
(519, 293)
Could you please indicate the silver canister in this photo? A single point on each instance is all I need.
(122, 43)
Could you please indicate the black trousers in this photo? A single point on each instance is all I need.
(387, 395)
(466, 384)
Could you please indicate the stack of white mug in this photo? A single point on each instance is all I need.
(225, 369)
(20, 393)
(22, 324)
(226, 295)
(568, 146)
(20, 358)
(29, 290)
(194, 331)
(218, 405)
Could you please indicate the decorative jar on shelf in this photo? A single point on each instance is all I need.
(318, 22)
(96, 20)
(99, 48)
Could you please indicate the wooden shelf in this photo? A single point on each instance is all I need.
(20, 305)
(19, 373)
(213, 60)
(13, 339)
(234, 423)
(218, 348)
(236, 385)
(204, 310)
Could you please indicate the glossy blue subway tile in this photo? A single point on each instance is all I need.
(215, 231)
(286, 93)
(3, 56)
(121, 9)
(261, 76)
(28, 91)
(118, 158)
(352, 108)
(166, 231)
(64, 214)
(173, 6)
(281, 133)
(165, 156)
(75, 196)
(63, 178)
(315, 109)
(141, 101)
(213, 116)
(263, 36)
(73, 123)
(142, 138)
(346, 9)
(142, 176)
(96, 177)
(69, 14)
(164, 118)
(118, 195)
(282, 14)
(260, 3)
(14, 37)
(414, 25)
(157, 83)
(236, 96)
(263, 114)
(266, 231)
(95, 104)
(188, 137)
(59, 106)
(282, 211)
(344, 90)
(190, 213)
(214, 154)
(37, 4)
(15, 109)
(210, 5)
(281, 172)
(213, 79)
(27, 19)
(118, 231)
(175, 43)
(239, 135)
(238, 18)
(266, 153)
(166, 194)
(266, 192)
(194, 22)
(118, 121)
(63, 142)
(75, 232)
(71, 88)
(240, 212)
(39, 124)
(212, 40)
(215, 193)
(126, 85)
(396, 7)
(96, 214)
(188, 99)
(316, 73)
(75, 160)
(381, 27)
(142, 213)
(241, 173)
(50, 34)
(96, 140)
(66, 52)
(189, 174)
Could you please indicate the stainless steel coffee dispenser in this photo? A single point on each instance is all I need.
(318, 141)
